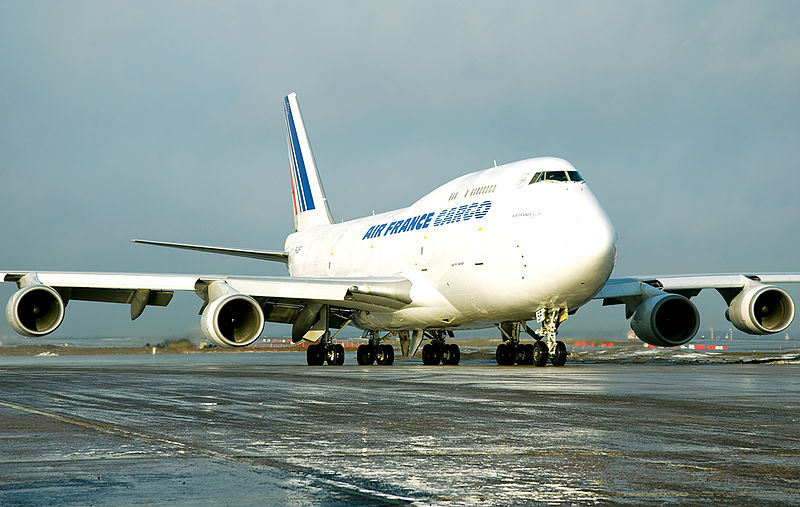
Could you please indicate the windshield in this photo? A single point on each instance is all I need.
(556, 176)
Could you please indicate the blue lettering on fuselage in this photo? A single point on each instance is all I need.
(446, 216)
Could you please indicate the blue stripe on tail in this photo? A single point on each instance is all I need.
(305, 199)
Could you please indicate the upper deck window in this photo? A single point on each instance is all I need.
(556, 176)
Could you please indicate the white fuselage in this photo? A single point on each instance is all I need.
(487, 247)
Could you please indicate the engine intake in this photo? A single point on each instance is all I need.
(666, 320)
(232, 319)
(35, 310)
(761, 309)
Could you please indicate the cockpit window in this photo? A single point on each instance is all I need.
(556, 176)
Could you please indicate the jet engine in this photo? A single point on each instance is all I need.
(761, 309)
(35, 310)
(666, 320)
(231, 319)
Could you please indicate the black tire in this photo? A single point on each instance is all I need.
(338, 354)
(451, 355)
(315, 355)
(525, 354)
(505, 354)
(560, 355)
(365, 355)
(540, 353)
(431, 355)
(384, 355)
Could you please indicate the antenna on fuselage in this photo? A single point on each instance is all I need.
(495, 162)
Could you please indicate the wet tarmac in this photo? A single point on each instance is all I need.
(259, 428)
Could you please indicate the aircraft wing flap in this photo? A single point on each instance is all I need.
(357, 293)
(124, 296)
(289, 288)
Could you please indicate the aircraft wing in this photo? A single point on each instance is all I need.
(755, 306)
(263, 255)
(687, 285)
(370, 293)
(279, 299)
(662, 314)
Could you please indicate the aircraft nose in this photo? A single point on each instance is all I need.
(598, 233)
(593, 242)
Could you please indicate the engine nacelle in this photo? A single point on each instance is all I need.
(233, 319)
(666, 320)
(35, 310)
(761, 309)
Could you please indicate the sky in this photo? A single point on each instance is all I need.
(164, 120)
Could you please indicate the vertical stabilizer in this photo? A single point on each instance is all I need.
(308, 196)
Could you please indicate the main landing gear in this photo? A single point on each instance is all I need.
(375, 351)
(511, 351)
(319, 353)
(433, 353)
(437, 351)
(324, 350)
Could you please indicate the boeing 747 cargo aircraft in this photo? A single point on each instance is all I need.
(471, 254)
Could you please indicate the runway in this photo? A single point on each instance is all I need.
(264, 428)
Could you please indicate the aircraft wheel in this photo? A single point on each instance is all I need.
(384, 354)
(505, 354)
(525, 354)
(335, 355)
(365, 354)
(560, 355)
(451, 355)
(315, 355)
(540, 353)
(431, 355)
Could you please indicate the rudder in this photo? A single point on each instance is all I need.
(308, 196)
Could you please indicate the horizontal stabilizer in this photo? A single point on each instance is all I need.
(253, 254)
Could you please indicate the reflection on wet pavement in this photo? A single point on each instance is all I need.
(255, 428)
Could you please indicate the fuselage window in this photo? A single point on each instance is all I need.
(483, 190)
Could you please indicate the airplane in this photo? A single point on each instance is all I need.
(497, 248)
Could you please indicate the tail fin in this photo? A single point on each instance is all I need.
(310, 203)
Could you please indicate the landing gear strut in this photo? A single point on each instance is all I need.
(437, 351)
(325, 350)
(550, 319)
(511, 351)
(375, 351)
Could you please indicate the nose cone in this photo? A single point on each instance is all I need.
(594, 241)
(581, 245)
